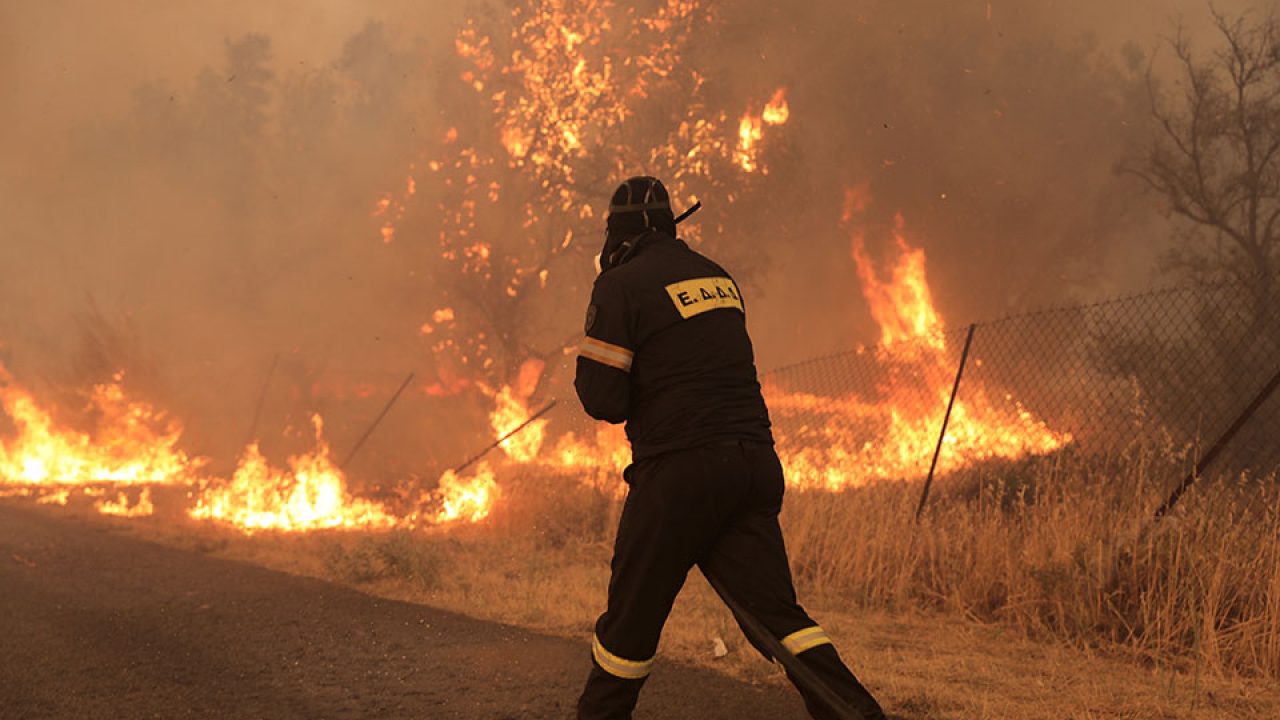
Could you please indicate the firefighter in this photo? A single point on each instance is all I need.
(666, 351)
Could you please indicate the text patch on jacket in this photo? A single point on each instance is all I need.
(696, 296)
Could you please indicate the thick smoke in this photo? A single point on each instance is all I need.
(188, 189)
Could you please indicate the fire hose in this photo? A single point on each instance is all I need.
(800, 672)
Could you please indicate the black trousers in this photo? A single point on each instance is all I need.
(715, 507)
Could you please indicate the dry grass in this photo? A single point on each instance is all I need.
(1065, 550)
(1032, 590)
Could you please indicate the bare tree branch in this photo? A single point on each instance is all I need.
(1216, 154)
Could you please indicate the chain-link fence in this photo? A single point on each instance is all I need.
(1170, 370)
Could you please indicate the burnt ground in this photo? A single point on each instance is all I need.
(94, 624)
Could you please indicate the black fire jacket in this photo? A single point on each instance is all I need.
(666, 350)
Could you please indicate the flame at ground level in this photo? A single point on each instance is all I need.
(121, 507)
(824, 442)
(311, 495)
(131, 442)
(835, 442)
(832, 451)
(132, 445)
(467, 499)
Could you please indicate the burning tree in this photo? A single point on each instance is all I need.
(562, 99)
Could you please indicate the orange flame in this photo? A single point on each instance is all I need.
(838, 442)
(597, 462)
(50, 463)
(751, 131)
(850, 441)
(310, 495)
(777, 111)
(466, 499)
(511, 410)
(131, 442)
(903, 306)
(57, 497)
(121, 507)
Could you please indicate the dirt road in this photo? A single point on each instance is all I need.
(94, 624)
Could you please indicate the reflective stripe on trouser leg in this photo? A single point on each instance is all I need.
(806, 639)
(617, 666)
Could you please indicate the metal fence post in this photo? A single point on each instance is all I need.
(262, 399)
(1220, 445)
(480, 455)
(374, 425)
(946, 419)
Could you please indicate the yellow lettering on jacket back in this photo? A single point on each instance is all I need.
(693, 297)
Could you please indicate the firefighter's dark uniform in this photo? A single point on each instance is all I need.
(667, 351)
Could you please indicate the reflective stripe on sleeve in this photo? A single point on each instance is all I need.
(606, 353)
(616, 666)
(806, 639)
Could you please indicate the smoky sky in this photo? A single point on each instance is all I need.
(203, 300)
(65, 62)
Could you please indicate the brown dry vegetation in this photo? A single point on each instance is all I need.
(1070, 553)
(1035, 589)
